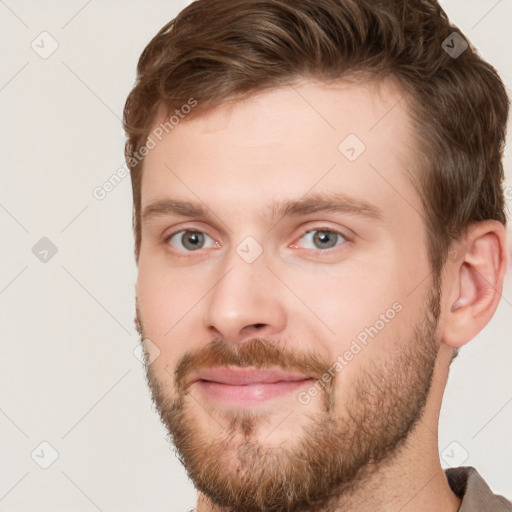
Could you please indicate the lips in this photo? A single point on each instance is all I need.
(246, 376)
(247, 385)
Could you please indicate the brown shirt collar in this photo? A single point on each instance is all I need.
(476, 496)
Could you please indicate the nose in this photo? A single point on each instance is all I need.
(245, 303)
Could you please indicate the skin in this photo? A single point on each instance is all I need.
(237, 160)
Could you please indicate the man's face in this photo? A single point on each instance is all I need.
(295, 316)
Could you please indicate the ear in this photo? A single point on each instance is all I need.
(476, 281)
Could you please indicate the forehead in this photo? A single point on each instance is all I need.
(281, 144)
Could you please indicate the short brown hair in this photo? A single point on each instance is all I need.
(216, 50)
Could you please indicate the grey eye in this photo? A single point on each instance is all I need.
(192, 240)
(188, 240)
(322, 239)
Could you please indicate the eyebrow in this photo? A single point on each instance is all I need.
(313, 203)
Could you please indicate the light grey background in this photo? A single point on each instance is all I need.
(68, 375)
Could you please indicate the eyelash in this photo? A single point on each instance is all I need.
(167, 238)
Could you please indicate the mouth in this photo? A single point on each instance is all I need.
(247, 386)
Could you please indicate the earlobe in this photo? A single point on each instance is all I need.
(477, 283)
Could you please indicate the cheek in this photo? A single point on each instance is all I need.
(170, 301)
(162, 299)
(348, 302)
(361, 313)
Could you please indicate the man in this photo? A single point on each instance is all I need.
(319, 226)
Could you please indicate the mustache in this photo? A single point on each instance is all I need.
(258, 353)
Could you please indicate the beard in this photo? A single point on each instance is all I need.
(330, 453)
